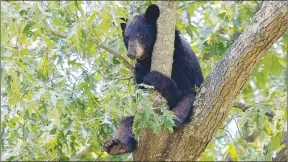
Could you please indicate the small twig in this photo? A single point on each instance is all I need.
(128, 65)
(246, 148)
(57, 34)
(271, 114)
(116, 55)
(118, 78)
(228, 158)
(185, 5)
(244, 107)
(237, 147)
(112, 78)
(241, 106)
(54, 32)
(99, 155)
(80, 9)
(81, 151)
(258, 7)
(230, 120)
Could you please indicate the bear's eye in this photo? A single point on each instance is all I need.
(127, 38)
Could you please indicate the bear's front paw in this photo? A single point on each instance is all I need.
(153, 78)
(148, 79)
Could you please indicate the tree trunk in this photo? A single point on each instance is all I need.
(219, 89)
(162, 60)
(162, 57)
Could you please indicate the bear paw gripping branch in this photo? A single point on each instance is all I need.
(139, 37)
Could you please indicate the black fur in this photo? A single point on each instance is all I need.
(178, 90)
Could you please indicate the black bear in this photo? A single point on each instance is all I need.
(139, 37)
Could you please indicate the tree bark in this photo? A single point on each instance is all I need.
(219, 90)
(162, 57)
(162, 60)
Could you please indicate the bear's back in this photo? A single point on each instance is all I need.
(186, 70)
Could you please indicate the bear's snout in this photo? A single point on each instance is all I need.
(135, 50)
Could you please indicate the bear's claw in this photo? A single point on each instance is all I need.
(115, 147)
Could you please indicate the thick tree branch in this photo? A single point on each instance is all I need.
(220, 88)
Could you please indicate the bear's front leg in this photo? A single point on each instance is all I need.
(139, 73)
(124, 141)
(165, 85)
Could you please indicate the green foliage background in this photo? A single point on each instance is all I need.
(62, 92)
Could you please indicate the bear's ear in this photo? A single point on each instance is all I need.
(152, 12)
(123, 25)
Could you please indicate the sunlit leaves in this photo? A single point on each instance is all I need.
(62, 95)
(39, 76)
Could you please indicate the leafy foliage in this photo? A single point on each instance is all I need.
(62, 91)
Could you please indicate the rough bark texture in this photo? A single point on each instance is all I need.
(219, 89)
(162, 57)
(162, 60)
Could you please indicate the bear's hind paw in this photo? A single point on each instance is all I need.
(115, 147)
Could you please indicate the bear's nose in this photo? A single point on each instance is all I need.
(131, 56)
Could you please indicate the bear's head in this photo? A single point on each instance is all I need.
(139, 34)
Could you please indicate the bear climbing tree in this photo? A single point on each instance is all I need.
(219, 89)
(139, 36)
(216, 94)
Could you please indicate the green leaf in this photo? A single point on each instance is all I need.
(276, 140)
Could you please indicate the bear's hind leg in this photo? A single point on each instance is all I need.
(184, 109)
(124, 141)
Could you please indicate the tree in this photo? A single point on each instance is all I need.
(66, 81)
(162, 60)
(219, 89)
